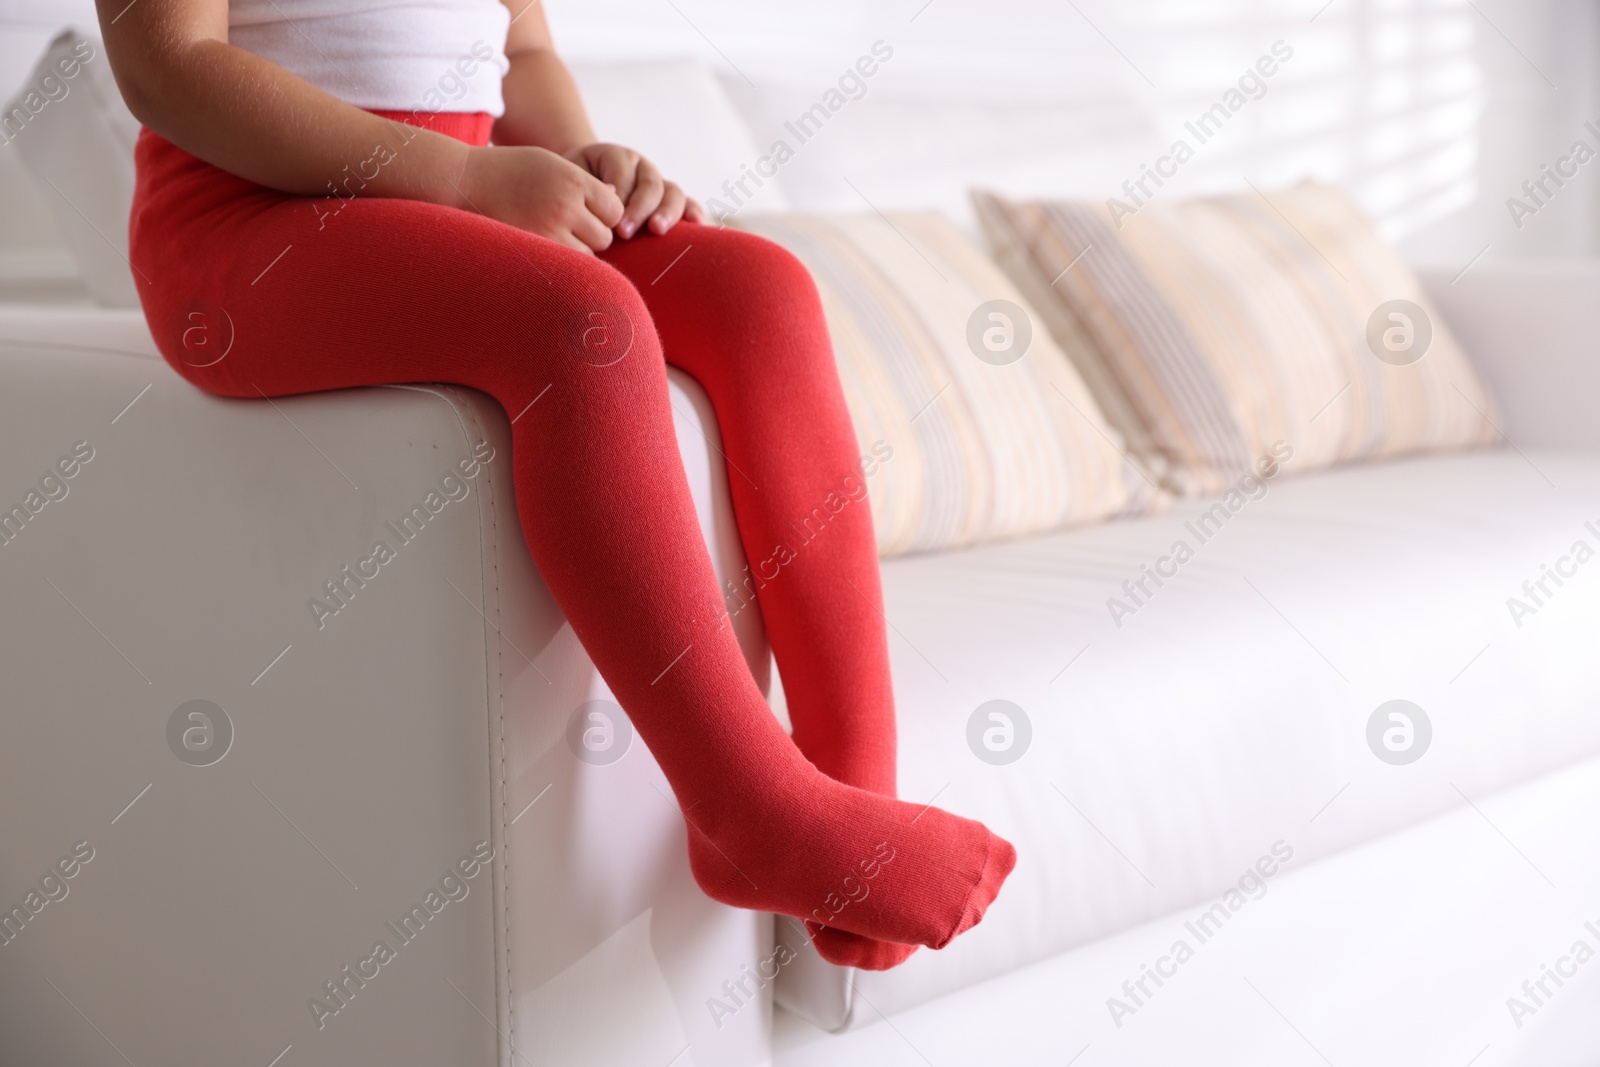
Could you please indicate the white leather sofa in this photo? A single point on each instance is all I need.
(1227, 724)
(364, 753)
(429, 723)
(231, 877)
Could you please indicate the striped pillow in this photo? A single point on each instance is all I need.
(992, 432)
(1213, 330)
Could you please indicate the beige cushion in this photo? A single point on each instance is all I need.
(1219, 332)
(988, 431)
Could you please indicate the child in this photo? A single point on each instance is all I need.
(318, 174)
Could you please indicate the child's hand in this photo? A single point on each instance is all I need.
(536, 190)
(641, 187)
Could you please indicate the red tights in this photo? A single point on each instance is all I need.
(390, 291)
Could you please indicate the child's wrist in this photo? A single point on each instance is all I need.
(451, 174)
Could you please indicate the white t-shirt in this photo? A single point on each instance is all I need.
(393, 55)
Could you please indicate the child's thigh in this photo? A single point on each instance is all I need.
(278, 295)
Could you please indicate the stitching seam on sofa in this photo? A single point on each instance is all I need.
(463, 410)
(12, 342)
(493, 556)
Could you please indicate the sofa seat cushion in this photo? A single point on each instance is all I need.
(1409, 949)
(1225, 722)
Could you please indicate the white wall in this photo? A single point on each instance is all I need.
(1432, 111)
(29, 242)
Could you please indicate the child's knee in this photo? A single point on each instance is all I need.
(755, 266)
(601, 320)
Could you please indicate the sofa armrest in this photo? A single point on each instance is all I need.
(1530, 327)
(362, 753)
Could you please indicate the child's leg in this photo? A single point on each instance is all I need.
(742, 316)
(396, 291)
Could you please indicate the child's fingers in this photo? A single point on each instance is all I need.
(616, 166)
(603, 201)
(648, 188)
(571, 242)
(692, 211)
(594, 232)
(671, 210)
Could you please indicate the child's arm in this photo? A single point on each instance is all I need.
(182, 79)
(543, 108)
(542, 103)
